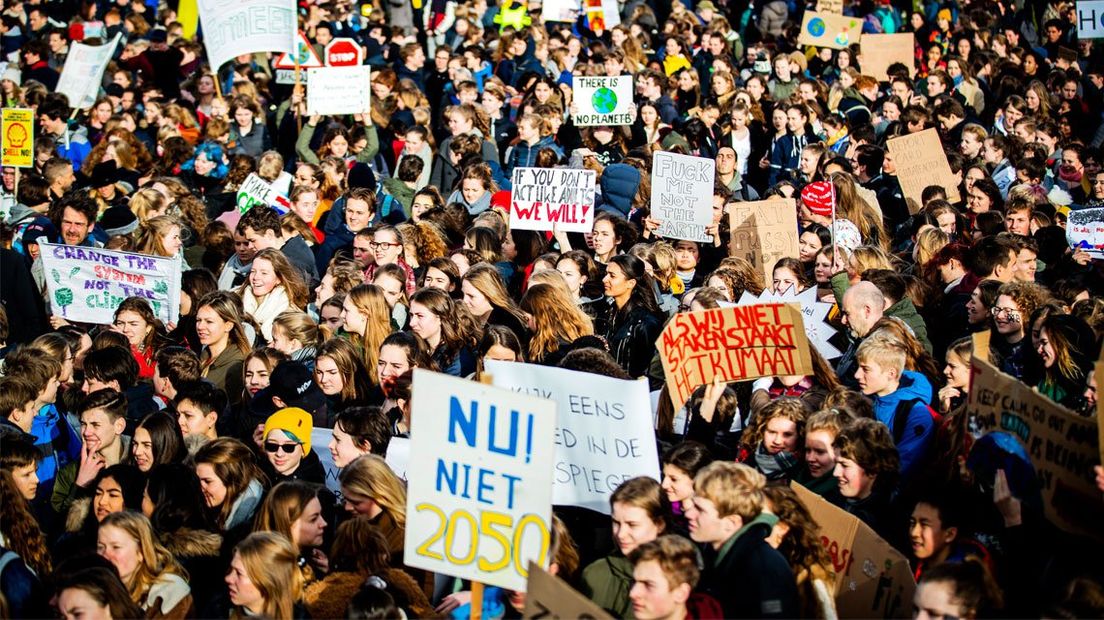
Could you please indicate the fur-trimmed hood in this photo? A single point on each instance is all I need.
(329, 597)
(189, 543)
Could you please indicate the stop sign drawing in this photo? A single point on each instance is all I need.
(344, 52)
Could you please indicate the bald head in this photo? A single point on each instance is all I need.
(863, 306)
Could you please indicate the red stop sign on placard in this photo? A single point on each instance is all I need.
(344, 52)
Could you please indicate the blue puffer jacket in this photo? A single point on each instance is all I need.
(921, 428)
(525, 155)
(619, 183)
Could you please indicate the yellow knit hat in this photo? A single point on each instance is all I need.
(293, 421)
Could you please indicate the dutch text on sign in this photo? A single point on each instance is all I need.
(479, 499)
(734, 343)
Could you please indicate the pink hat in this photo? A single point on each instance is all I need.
(817, 197)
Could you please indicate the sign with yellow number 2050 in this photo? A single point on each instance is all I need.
(479, 500)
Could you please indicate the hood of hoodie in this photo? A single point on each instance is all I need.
(21, 213)
(619, 183)
(913, 386)
(247, 503)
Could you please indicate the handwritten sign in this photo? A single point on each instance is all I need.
(682, 195)
(548, 597)
(605, 434)
(879, 51)
(873, 580)
(479, 500)
(1085, 231)
(763, 232)
(255, 191)
(921, 162)
(339, 90)
(547, 197)
(560, 10)
(1090, 19)
(829, 30)
(733, 343)
(17, 131)
(603, 100)
(320, 439)
(87, 284)
(830, 6)
(1063, 446)
(83, 72)
(814, 314)
(235, 27)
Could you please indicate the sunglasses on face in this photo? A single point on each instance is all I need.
(272, 447)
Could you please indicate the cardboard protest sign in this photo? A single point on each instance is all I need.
(1063, 446)
(682, 195)
(560, 10)
(981, 344)
(235, 27)
(603, 100)
(82, 75)
(17, 135)
(545, 197)
(873, 580)
(339, 90)
(547, 596)
(255, 191)
(921, 162)
(479, 497)
(605, 434)
(763, 232)
(734, 343)
(86, 285)
(879, 51)
(1085, 231)
(320, 441)
(830, 6)
(1090, 19)
(814, 315)
(829, 30)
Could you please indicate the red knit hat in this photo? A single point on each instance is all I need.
(817, 197)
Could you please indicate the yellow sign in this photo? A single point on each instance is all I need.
(18, 137)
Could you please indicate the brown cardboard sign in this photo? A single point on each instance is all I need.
(763, 232)
(921, 162)
(547, 596)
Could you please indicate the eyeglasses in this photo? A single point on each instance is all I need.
(377, 245)
(997, 311)
(272, 447)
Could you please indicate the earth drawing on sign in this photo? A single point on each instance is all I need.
(604, 101)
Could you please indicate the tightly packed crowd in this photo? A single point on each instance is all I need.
(152, 469)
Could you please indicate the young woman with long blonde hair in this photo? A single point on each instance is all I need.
(264, 578)
(487, 299)
(156, 582)
(368, 320)
(556, 320)
(371, 489)
(274, 286)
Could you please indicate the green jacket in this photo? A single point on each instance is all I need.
(306, 155)
(764, 517)
(903, 309)
(400, 191)
(65, 485)
(607, 582)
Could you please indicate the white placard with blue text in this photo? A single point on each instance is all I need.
(479, 494)
(605, 434)
(682, 195)
(86, 285)
(1090, 19)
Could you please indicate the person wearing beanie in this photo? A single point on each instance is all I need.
(287, 447)
(816, 208)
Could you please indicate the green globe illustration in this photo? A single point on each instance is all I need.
(604, 101)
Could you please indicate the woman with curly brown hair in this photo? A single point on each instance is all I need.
(774, 443)
(797, 537)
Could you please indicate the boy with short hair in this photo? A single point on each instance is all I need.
(665, 573)
(750, 578)
(901, 398)
(103, 419)
(20, 457)
(18, 404)
(175, 367)
(198, 407)
(115, 368)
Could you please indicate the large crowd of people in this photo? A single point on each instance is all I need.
(166, 469)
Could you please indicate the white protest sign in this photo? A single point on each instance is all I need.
(86, 285)
(255, 191)
(398, 456)
(814, 315)
(320, 442)
(605, 434)
(82, 74)
(338, 90)
(603, 100)
(682, 195)
(235, 27)
(560, 10)
(1090, 19)
(543, 197)
(479, 494)
(1085, 231)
